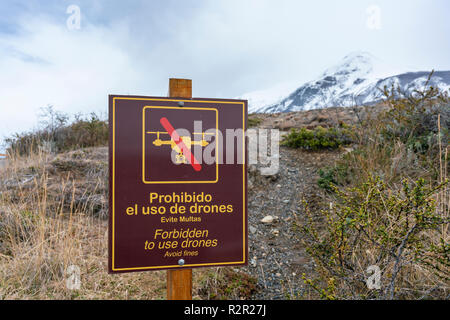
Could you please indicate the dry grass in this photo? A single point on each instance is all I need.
(52, 216)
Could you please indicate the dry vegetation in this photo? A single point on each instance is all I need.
(50, 219)
(389, 195)
(53, 215)
(389, 206)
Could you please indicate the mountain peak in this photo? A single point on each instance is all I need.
(360, 64)
(356, 79)
(357, 55)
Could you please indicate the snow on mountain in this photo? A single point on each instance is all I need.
(357, 79)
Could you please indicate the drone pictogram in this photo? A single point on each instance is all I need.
(180, 144)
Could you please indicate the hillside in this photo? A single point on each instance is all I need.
(356, 187)
(74, 209)
(326, 117)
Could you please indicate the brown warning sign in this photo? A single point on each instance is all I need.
(177, 183)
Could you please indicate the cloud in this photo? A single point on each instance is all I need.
(47, 64)
(227, 47)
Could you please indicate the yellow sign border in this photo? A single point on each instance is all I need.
(113, 186)
(143, 145)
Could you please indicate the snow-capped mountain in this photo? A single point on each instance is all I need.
(357, 79)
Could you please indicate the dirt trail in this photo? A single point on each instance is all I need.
(276, 256)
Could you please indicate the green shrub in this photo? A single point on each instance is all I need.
(333, 176)
(58, 135)
(254, 122)
(316, 139)
(403, 232)
(413, 118)
(406, 135)
(400, 225)
(88, 132)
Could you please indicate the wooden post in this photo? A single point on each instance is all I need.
(179, 282)
(180, 88)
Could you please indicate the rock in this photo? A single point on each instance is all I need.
(252, 229)
(275, 232)
(267, 219)
(348, 150)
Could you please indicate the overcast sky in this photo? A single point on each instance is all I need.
(227, 47)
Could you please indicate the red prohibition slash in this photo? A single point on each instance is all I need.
(175, 137)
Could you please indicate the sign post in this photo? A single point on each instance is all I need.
(177, 184)
(179, 282)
